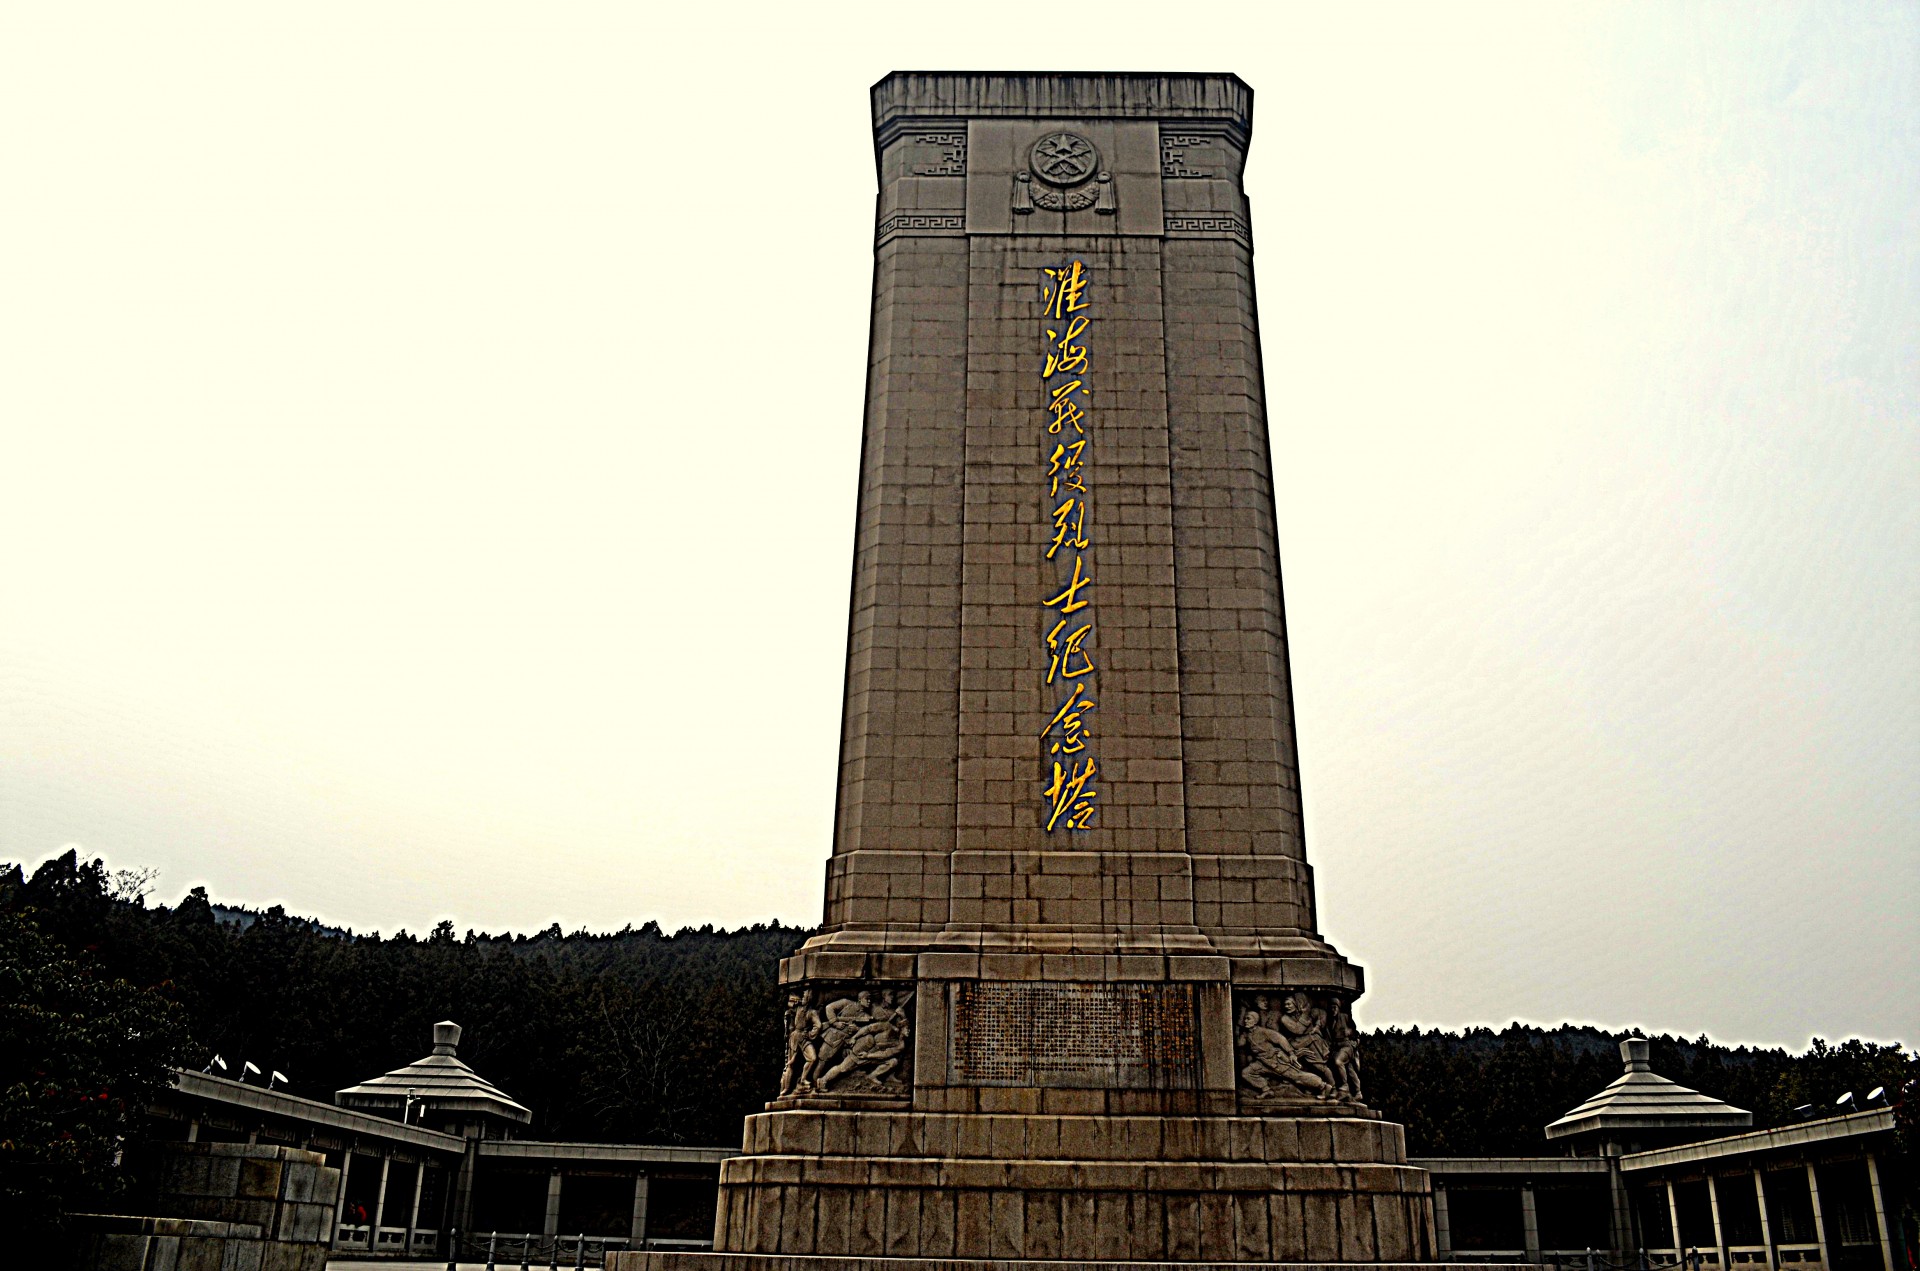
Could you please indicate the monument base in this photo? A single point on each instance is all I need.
(822, 1184)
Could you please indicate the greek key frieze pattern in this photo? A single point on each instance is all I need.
(952, 160)
(909, 222)
(1173, 154)
(1232, 226)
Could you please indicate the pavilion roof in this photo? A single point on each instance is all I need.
(1641, 1099)
(441, 1080)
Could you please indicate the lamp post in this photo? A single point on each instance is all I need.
(406, 1110)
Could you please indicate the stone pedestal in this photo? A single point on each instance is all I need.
(1070, 1000)
(1110, 1188)
(224, 1207)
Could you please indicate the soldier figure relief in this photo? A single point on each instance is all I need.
(856, 1045)
(1296, 1048)
(803, 1034)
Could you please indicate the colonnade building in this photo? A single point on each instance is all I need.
(1648, 1165)
(1645, 1165)
(432, 1149)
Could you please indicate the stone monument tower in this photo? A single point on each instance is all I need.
(1070, 1000)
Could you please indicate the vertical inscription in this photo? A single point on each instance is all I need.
(1068, 768)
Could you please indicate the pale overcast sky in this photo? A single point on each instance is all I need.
(428, 439)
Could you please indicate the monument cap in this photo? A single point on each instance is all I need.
(906, 95)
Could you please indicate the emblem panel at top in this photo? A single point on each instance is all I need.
(1094, 177)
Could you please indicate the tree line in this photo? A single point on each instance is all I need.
(635, 1035)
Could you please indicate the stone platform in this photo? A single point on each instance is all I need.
(1121, 1188)
(224, 1207)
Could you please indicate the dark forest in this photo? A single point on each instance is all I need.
(641, 1035)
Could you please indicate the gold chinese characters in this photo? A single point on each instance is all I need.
(1068, 767)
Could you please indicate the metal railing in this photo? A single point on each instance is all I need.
(527, 1250)
(361, 1237)
(1643, 1260)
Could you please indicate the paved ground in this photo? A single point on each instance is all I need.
(503, 1264)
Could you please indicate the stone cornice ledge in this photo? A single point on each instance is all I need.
(1062, 94)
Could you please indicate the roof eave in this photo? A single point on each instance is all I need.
(1698, 1121)
(446, 1103)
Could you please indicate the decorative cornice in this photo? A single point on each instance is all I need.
(931, 224)
(1062, 95)
(1211, 226)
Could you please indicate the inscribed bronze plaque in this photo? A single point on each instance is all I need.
(1076, 1036)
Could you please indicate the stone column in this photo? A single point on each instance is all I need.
(413, 1211)
(550, 1227)
(1819, 1219)
(1529, 1222)
(463, 1187)
(1766, 1223)
(637, 1238)
(1719, 1237)
(1622, 1205)
(379, 1202)
(1442, 1223)
(340, 1202)
(1880, 1212)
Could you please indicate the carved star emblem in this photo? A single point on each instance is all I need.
(1064, 158)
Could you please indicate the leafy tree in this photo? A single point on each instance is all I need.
(634, 1035)
(81, 1054)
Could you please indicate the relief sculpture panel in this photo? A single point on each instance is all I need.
(1063, 175)
(1293, 1045)
(849, 1041)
